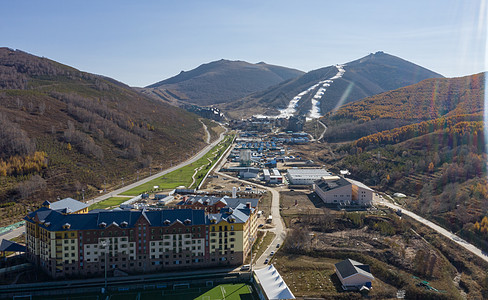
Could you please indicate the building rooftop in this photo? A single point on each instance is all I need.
(359, 184)
(211, 200)
(307, 172)
(273, 284)
(55, 220)
(349, 267)
(328, 185)
(69, 205)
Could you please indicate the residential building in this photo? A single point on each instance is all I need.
(304, 176)
(64, 244)
(354, 275)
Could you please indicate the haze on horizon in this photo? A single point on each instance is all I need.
(143, 43)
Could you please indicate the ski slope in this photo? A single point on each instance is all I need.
(314, 112)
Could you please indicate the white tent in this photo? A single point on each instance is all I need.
(272, 284)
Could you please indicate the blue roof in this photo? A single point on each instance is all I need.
(54, 220)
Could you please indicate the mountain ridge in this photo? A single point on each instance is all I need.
(221, 81)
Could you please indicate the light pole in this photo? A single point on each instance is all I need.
(104, 244)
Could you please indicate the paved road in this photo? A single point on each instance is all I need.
(16, 232)
(325, 129)
(279, 227)
(473, 249)
(206, 131)
(157, 175)
(13, 233)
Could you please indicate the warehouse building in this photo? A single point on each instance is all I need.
(304, 176)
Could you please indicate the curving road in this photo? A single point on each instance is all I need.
(473, 249)
(147, 179)
(323, 132)
(18, 231)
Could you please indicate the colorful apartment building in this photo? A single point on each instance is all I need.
(67, 244)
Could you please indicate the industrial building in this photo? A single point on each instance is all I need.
(305, 176)
(343, 191)
(272, 176)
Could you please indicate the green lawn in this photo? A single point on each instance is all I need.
(183, 176)
(112, 201)
(237, 291)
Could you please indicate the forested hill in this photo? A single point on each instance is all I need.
(426, 141)
(426, 100)
(63, 131)
(220, 81)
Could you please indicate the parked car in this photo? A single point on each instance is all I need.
(277, 245)
(272, 253)
(245, 267)
(266, 261)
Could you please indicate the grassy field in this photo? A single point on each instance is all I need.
(228, 291)
(183, 176)
(110, 202)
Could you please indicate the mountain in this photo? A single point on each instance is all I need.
(220, 81)
(320, 91)
(64, 132)
(426, 141)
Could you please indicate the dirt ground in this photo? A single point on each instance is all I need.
(403, 254)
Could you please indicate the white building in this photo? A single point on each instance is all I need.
(334, 190)
(354, 275)
(272, 176)
(305, 176)
(343, 191)
(361, 193)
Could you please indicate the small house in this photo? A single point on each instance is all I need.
(354, 275)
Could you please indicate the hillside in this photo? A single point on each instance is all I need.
(426, 141)
(220, 81)
(426, 100)
(320, 91)
(64, 132)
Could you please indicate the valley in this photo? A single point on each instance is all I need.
(391, 133)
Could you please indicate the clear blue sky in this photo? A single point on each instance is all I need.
(142, 42)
